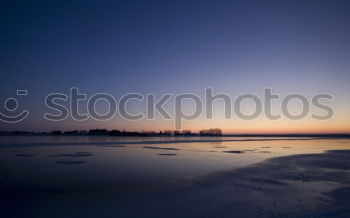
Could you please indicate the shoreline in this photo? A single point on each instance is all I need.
(146, 134)
(294, 186)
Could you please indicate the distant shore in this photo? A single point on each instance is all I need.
(160, 134)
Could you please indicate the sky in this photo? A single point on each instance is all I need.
(160, 47)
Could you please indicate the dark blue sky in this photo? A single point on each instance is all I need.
(175, 46)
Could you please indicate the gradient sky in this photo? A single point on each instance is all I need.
(160, 47)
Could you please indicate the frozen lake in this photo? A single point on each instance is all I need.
(102, 163)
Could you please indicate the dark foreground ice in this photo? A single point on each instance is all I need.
(307, 185)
